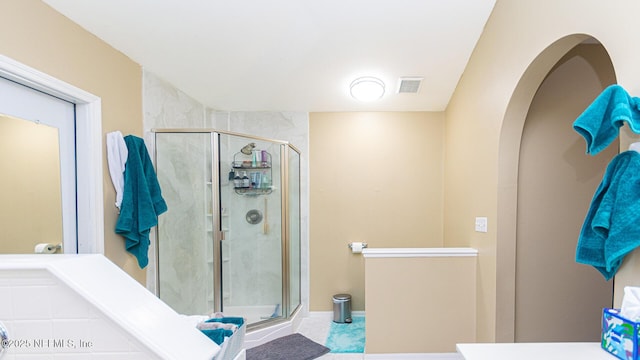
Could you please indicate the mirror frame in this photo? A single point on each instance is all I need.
(89, 191)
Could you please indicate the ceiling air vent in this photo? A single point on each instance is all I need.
(409, 85)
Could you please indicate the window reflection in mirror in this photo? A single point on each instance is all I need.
(31, 209)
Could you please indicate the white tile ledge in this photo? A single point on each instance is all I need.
(121, 298)
(418, 252)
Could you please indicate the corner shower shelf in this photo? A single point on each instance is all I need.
(260, 168)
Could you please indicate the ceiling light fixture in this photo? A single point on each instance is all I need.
(367, 88)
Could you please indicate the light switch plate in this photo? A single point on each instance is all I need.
(481, 224)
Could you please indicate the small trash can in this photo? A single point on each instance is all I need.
(342, 308)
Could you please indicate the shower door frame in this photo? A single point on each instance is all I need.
(219, 234)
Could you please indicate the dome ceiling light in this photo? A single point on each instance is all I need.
(367, 88)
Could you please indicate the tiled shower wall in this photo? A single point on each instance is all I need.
(167, 107)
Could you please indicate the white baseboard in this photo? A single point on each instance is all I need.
(321, 314)
(329, 314)
(434, 356)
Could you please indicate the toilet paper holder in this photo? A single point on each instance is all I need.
(364, 245)
(46, 248)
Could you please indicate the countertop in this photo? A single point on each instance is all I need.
(534, 351)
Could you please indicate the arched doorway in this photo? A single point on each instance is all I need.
(556, 298)
(531, 82)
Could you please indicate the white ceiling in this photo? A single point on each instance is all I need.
(292, 55)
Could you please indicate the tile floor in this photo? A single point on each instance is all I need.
(316, 328)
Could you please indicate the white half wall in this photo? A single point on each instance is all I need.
(84, 305)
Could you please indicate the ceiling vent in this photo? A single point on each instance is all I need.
(409, 85)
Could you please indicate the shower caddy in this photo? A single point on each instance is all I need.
(260, 172)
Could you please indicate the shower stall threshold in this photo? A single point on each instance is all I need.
(254, 314)
(272, 329)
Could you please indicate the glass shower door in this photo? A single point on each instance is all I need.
(251, 224)
(185, 236)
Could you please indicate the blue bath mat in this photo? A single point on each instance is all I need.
(347, 338)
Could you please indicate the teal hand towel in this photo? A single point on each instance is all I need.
(217, 335)
(228, 320)
(142, 200)
(600, 122)
(612, 226)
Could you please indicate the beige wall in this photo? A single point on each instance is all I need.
(420, 305)
(521, 42)
(375, 178)
(37, 36)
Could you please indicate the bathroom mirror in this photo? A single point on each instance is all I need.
(30, 185)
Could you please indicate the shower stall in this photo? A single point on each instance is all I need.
(230, 241)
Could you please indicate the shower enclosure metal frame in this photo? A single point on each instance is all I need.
(287, 307)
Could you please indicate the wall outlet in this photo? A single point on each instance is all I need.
(481, 224)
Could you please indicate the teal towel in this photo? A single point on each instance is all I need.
(612, 226)
(217, 335)
(142, 200)
(600, 123)
(228, 320)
